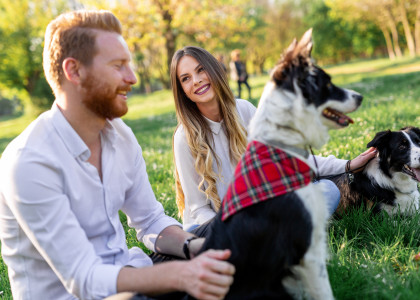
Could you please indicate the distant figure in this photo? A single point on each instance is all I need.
(238, 72)
(221, 60)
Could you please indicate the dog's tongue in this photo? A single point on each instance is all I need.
(344, 120)
(417, 173)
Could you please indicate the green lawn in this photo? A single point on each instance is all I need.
(371, 256)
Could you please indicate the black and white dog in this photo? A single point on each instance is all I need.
(279, 244)
(389, 181)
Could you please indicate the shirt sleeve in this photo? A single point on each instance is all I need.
(196, 202)
(35, 193)
(328, 165)
(144, 212)
(246, 111)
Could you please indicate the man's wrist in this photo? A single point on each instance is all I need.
(186, 246)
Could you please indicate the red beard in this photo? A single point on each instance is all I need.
(102, 100)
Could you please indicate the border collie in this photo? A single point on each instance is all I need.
(389, 181)
(279, 244)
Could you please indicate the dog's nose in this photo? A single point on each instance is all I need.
(358, 98)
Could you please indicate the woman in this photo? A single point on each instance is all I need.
(211, 137)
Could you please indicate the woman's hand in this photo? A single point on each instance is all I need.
(358, 164)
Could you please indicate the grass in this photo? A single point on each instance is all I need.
(371, 256)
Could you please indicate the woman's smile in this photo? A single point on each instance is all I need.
(203, 89)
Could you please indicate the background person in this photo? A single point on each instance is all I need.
(64, 179)
(238, 72)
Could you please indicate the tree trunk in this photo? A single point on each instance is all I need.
(394, 32)
(388, 41)
(170, 38)
(406, 26)
(417, 29)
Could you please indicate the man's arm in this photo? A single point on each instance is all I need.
(208, 276)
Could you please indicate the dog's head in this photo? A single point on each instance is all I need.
(398, 151)
(300, 97)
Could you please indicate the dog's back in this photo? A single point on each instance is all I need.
(266, 241)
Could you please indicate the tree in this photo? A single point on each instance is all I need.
(386, 15)
(154, 29)
(22, 27)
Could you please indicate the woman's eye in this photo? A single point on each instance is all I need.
(183, 79)
(200, 69)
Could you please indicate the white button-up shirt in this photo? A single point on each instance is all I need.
(61, 236)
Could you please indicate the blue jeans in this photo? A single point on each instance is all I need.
(332, 195)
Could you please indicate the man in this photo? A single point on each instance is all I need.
(64, 179)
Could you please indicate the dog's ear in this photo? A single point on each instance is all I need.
(380, 139)
(292, 55)
(413, 129)
(305, 44)
(285, 61)
(381, 142)
(416, 130)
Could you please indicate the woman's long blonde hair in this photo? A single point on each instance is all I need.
(197, 130)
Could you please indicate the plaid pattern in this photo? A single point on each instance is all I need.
(263, 173)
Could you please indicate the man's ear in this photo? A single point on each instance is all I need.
(71, 69)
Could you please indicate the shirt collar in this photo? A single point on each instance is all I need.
(214, 126)
(72, 140)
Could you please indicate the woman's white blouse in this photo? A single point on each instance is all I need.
(199, 209)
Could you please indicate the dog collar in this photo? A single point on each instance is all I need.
(264, 172)
(299, 151)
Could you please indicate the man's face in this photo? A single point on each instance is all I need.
(107, 80)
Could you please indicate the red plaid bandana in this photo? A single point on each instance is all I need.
(263, 173)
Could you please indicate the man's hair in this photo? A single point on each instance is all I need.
(73, 34)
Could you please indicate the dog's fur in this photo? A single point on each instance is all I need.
(279, 245)
(389, 181)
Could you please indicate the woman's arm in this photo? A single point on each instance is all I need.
(197, 206)
(333, 166)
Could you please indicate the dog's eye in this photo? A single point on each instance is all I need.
(329, 85)
(403, 145)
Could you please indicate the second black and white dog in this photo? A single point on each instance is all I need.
(389, 182)
(273, 218)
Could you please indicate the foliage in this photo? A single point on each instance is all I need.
(22, 26)
(338, 40)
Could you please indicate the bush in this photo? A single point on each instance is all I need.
(9, 106)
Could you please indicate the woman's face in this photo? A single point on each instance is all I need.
(195, 82)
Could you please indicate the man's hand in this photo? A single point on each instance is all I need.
(208, 276)
(357, 164)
